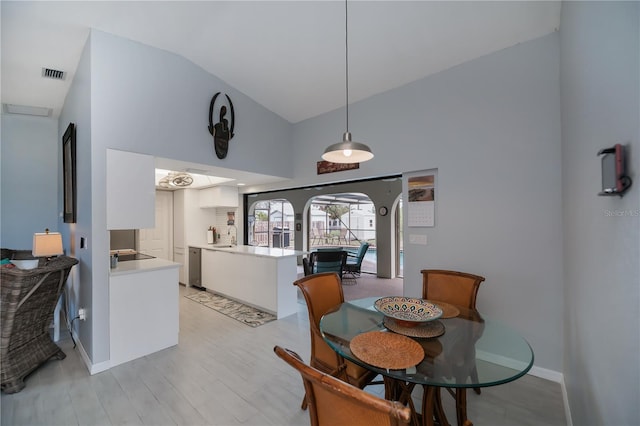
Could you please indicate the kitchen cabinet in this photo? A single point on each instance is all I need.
(130, 190)
(143, 308)
(190, 223)
(219, 196)
(179, 257)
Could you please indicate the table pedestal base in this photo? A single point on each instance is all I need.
(432, 409)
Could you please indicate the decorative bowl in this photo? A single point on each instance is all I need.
(408, 311)
(26, 263)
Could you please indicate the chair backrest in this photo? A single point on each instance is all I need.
(328, 261)
(362, 250)
(457, 288)
(334, 402)
(322, 292)
(306, 266)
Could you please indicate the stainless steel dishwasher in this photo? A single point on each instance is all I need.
(195, 267)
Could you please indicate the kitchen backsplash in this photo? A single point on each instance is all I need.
(221, 225)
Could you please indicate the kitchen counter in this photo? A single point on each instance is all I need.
(257, 276)
(253, 250)
(145, 265)
(143, 308)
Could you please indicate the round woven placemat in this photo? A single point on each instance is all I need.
(448, 310)
(387, 350)
(425, 329)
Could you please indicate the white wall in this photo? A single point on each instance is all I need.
(31, 168)
(600, 51)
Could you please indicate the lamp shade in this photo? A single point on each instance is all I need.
(47, 244)
(347, 151)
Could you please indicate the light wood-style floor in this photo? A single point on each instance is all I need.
(225, 373)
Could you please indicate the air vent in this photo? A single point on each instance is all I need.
(51, 73)
(27, 110)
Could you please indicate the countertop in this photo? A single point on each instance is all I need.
(253, 250)
(136, 266)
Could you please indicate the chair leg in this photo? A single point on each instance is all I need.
(461, 407)
(474, 377)
(304, 402)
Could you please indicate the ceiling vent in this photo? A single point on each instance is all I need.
(26, 110)
(54, 74)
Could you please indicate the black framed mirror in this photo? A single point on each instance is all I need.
(69, 173)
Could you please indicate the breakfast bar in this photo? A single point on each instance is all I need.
(257, 276)
(143, 308)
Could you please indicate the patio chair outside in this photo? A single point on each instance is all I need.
(328, 261)
(353, 265)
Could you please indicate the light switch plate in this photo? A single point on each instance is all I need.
(418, 239)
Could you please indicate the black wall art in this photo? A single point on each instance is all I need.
(222, 131)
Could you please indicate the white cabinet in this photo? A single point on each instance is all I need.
(143, 311)
(131, 190)
(179, 257)
(219, 196)
(261, 281)
(210, 262)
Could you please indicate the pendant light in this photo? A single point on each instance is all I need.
(347, 151)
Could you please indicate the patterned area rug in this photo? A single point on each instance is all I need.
(245, 314)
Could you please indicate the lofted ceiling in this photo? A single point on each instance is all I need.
(289, 56)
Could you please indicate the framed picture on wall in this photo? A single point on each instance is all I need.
(69, 173)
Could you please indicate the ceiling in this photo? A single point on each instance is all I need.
(288, 56)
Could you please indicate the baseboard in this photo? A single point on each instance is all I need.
(565, 400)
(544, 373)
(93, 368)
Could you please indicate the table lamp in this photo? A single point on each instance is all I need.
(47, 244)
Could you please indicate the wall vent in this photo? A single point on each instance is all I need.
(51, 73)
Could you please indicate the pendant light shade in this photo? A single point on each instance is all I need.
(347, 151)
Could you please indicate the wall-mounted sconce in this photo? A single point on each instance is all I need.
(614, 176)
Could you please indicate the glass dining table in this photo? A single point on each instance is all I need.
(472, 352)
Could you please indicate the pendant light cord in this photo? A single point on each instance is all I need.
(346, 59)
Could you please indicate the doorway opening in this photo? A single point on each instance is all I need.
(344, 221)
(271, 224)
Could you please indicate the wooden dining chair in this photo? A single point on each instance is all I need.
(334, 402)
(323, 292)
(460, 289)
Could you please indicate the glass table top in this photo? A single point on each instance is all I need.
(497, 353)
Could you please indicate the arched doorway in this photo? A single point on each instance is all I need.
(343, 220)
(270, 224)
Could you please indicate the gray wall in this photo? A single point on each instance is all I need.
(600, 75)
(31, 167)
(83, 288)
(135, 98)
(492, 129)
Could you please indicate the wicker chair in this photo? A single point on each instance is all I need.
(27, 302)
(323, 292)
(456, 288)
(334, 402)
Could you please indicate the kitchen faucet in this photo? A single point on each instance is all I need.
(235, 236)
